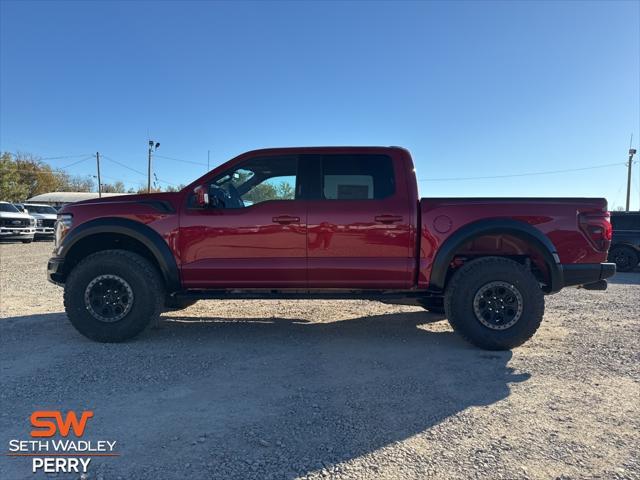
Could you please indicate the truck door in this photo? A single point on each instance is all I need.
(360, 233)
(255, 234)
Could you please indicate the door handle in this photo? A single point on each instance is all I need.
(388, 218)
(286, 219)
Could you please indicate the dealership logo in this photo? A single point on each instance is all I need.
(56, 444)
(39, 420)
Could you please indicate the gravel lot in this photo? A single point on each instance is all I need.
(351, 389)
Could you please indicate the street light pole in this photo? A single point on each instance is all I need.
(153, 145)
(99, 182)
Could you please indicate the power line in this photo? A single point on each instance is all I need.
(76, 163)
(134, 170)
(528, 174)
(124, 165)
(180, 160)
(64, 156)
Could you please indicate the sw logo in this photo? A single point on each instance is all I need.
(60, 454)
(43, 420)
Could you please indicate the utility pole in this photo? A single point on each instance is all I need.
(632, 152)
(99, 181)
(153, 145)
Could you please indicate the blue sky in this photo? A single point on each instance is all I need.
(471, 88)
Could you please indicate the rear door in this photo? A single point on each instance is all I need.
(359, 230)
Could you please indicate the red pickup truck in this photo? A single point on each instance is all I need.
(329, 223)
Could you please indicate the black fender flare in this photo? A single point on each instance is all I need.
(136, 230)
(493, 226)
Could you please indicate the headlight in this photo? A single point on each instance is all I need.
(39, 222)
(32, 221)
(63, 224)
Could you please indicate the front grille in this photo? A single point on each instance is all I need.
(48, 223)
(14, 222)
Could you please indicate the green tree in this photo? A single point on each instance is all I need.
(11, 187)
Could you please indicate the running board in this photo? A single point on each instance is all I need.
(410, 297)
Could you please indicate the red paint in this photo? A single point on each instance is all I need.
(340, 244)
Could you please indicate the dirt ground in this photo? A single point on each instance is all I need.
(327, 389)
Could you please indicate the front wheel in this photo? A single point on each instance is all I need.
(494, 303)
(111, 296)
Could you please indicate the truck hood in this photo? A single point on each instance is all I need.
(44, 216)
(170, 198)
(15, 215)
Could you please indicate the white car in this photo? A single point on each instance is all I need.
(45, 216)
(15, 225)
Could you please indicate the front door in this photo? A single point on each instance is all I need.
(253, 234)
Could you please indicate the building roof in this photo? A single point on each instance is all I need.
(69, 197)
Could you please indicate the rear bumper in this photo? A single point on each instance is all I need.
(586, 273)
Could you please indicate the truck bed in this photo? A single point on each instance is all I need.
(557, 218)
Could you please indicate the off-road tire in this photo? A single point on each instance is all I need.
(474, 276)
(625, 258)
(144, 280)
(172, 304)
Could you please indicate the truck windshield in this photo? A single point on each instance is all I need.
(7, 207)
(40, 209)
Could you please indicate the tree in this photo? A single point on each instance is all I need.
(35, 175)
(116, 187)
(285, 191)
(11, 187)
(174, 188)
(78, 183)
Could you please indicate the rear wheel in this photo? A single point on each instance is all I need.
(625, 258)
(111, 296)
(494, 303)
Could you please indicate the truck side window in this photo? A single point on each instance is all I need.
(357, 177)
(255, 181)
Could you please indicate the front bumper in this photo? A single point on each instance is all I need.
(16, 233)
(55, 270)
(586, 273)
(48, 231)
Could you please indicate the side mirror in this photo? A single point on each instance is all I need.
(202, 197)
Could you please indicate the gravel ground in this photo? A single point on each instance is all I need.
(324, 389)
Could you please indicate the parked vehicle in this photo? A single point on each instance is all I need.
(20, 207)
(15, 225)
(330, 223)
(625, 245)
(45, 216)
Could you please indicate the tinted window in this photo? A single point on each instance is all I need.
(40, 209)
(7, 207)
(357, 177)
(625, 221)
(255, 181)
